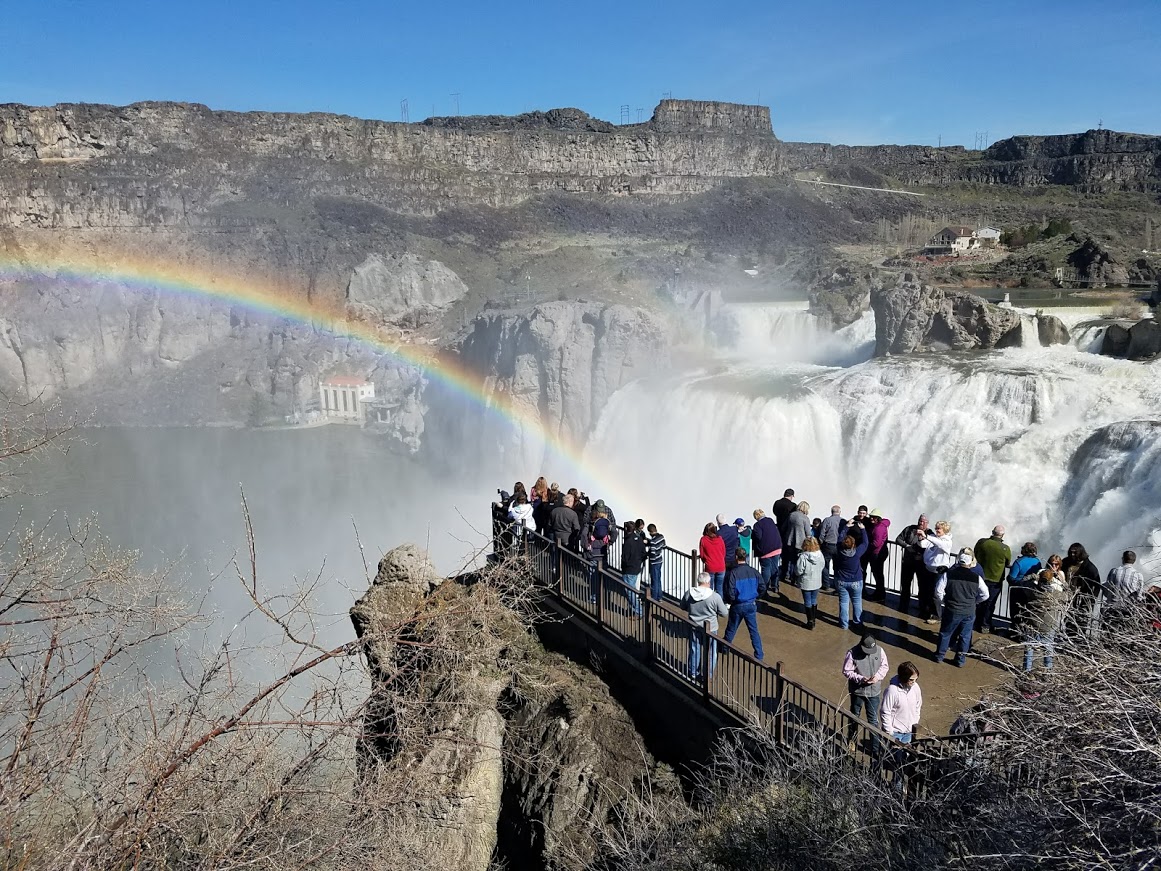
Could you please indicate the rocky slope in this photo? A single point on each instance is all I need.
(501, 735)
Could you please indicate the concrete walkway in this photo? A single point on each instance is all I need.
(815, 659)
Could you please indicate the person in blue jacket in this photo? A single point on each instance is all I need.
(744, 586)
(848, 576)
(1022, 583)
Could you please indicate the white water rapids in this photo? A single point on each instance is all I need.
(1013, 437)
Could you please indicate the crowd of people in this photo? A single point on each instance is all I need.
(957, 587)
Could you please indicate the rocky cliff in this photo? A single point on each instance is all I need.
(492, 733)
(914, 317)
(563, 360)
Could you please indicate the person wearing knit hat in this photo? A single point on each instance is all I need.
(960, 590)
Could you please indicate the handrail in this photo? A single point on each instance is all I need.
(746, 689)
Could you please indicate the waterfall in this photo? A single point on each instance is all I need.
(978, 438)
(790, 333)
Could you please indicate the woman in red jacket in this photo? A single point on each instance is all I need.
(713, 553)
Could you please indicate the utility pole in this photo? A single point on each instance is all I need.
(624, 114)
(404, 113)
(940, 145)
(640, 114)
(456, 103)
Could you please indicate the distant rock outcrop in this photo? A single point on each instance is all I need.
(402, 288)
(562, 361)
(1095, 265)
(840, 297)
(915, 317)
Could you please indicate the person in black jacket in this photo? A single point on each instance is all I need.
(1085, 582)
(911, 564)
(782, 509)
(633, 563)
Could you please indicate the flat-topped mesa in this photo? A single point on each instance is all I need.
(710, 116)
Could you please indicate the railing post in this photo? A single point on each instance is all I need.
(560, 569)
(647, 635)
(706, 658)
(600, 595)
(779, 714)
(692, 569)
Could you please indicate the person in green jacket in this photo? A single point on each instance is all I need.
(743, 535)
(993, 557)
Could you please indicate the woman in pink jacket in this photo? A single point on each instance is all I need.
(877, 552)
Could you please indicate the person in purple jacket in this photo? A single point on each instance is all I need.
(877, 549)
(767, 544)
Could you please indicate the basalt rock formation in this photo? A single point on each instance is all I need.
(494, 737)
(1139, 341)
(563, 360)
(915, 317)
(840, 297)
(1050, 330)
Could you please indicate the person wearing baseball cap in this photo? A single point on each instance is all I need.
(960, 590)
(744, 535)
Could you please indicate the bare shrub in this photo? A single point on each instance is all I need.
(1126, 310)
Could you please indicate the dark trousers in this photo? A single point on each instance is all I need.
(908, 570)
(789, 562)
(928, 607)
(747, 611)
(986, 611)
(877, 562)
(655, 580)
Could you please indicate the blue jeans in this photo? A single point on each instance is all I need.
(810, 598)
(633, 581)
(655, 581)
(747, 611)
(718, 582)
(695, 653)
(850, 595)
(768, 568)
(949, 627)
(869, 707)
(596, 563)
(1034, 640)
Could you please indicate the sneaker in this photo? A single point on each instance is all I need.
(937, 658)
(959, 663)
(931, 620)
(986, 630)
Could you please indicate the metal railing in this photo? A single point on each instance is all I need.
(662, 637)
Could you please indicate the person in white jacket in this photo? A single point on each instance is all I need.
(938, 556)
(521, 513)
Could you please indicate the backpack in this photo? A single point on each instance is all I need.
(600, 532)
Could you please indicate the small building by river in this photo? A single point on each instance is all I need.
(344, 398)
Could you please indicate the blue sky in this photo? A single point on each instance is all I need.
(859, 72)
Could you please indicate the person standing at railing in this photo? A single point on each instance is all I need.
(729, 536)
(878, 534)
(798, 531)
(810, 578)
(632, 564)
(565, 523)
(743, 589)
(994, 558)
(597, 539)
(767, 542)
(745, 535)
(960, 589)
(832, 531)
(911, 564)
(1085, 580)
(902, 704)
(704, 607)
(656, 549)
(712, 551)
(1021, 580)
(864, 667)
(1045, 610)
(521, 516)
(782, 509)
(848, 575)
(938, 557)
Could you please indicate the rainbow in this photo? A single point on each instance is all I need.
(282, 301)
